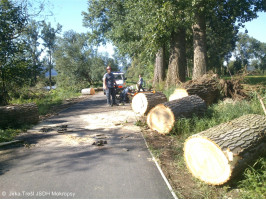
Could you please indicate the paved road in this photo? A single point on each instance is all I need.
(67, 165)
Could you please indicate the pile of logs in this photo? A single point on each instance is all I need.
(220, 153)
(15, 115)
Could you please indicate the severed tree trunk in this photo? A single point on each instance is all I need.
(199, 45)
(177, 61)
(16, 115)
(208, 90)
(159, 68)
(142, 103)
(162, 117)
(222, 152)
(88, 91)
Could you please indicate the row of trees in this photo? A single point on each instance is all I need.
(78, 64)
(29, 48)
(20, 47)
(181, 36)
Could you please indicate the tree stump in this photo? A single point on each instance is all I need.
(222, 152)
(16, 115)
(142, 103)
(162, 117)
(88, 91)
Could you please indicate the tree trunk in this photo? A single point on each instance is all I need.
(208, 90)
(199, 45)
(50, 71)
(18, 115)
(159, 68)
(177, 61)
(162, 117)
(222, 152)
(142, 103)
(3, 93)
(88, 91)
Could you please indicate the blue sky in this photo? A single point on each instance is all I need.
(68, 14)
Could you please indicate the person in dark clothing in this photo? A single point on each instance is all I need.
(124, 95)
(109, 86)
(140, 84)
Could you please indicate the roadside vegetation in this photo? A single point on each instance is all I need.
(168, 149)
(150, 38)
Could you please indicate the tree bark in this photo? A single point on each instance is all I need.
(177, 61)
(224, 151)
(142, 103)
(162, 117)
(159, 68)
(199, 45)
(18, 115)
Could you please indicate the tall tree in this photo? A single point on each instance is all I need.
(76, 63)
(138, 27)
(177, 61)
(48, 34)
(160, 66)
(234, 12)
(12, 24)
(199, 44)
(32, 36)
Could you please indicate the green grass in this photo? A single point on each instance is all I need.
(45, 101)
(254, 80)
(10, 134)
(216, 114)
(253, 186)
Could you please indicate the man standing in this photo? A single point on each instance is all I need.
(140, 84)
(109, 86)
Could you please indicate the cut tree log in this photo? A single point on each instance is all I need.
(222, 152)
(210, 88)
(205, 88)
(16, 115)
(178, 94)
(88, 91)
(142, 103)
(162, 117)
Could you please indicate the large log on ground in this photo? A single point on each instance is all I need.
(88, 91)
(16, 115)
(142, 103)
(210, 88)
(178, 94)
(162, 117)
(207, 89)
(222, 152)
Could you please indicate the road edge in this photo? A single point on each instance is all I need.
(160, 169)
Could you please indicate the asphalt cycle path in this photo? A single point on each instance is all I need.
(87, 151)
